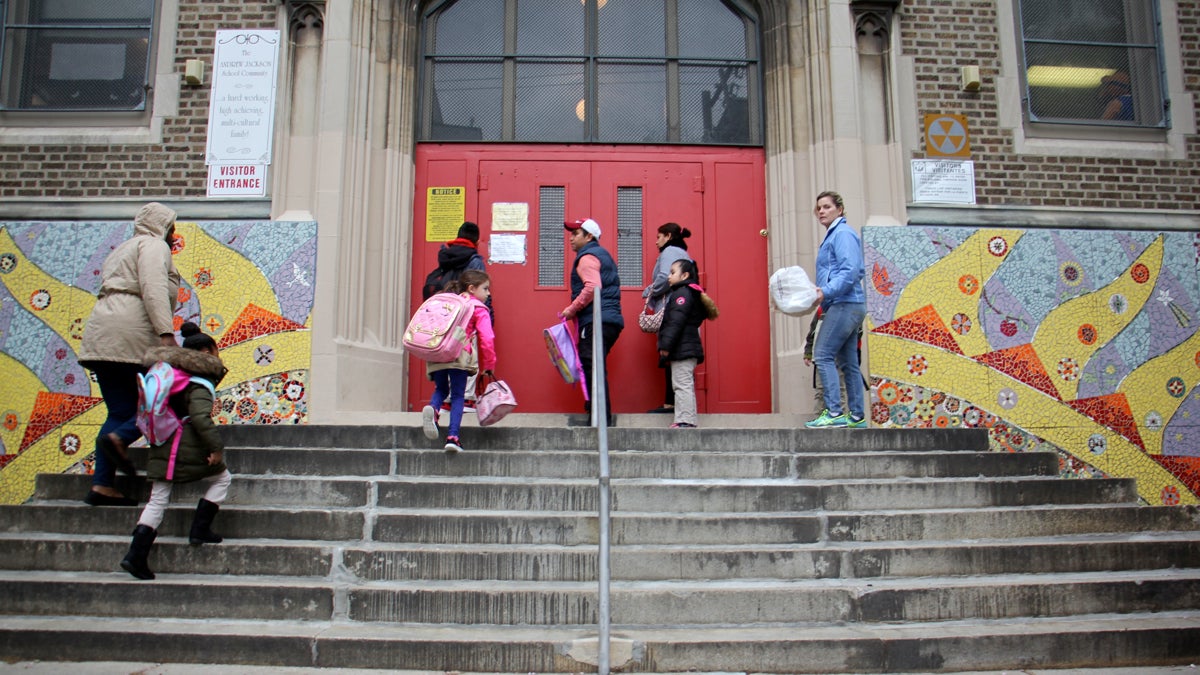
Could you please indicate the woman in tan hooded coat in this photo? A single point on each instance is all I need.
(134, 312)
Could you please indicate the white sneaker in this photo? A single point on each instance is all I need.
(429, 422)
(452, 444)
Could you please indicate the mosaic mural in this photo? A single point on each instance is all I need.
(1086, 343)
(248, 284)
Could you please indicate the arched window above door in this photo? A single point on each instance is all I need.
(591, 71)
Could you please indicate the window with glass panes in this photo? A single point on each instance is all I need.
(1093, 62)
(75, 54)
(605, 71)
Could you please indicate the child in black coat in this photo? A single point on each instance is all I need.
(679, 337)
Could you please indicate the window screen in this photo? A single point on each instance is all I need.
(629, 235)
(75, 54)
(551, 208)
(651, 71)
(1093, 62)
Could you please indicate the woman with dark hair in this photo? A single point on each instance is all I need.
(671, 247)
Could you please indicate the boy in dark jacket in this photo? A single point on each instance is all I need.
(200, 454)
(679, 337)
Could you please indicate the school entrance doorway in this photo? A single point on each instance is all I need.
(521, 195)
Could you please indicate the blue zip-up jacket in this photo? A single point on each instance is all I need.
(610, 287)
(840, 268)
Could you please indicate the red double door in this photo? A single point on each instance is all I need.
(520, 195)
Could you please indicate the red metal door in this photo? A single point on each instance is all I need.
(640, 188)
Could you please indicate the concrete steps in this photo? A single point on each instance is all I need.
(766, 550)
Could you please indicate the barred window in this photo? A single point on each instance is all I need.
(75, 54)
(591, 71)
(1096, 62)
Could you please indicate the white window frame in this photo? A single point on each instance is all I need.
(1081, 140)
(30, 127)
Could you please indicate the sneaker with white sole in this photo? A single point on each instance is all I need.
(860, 423)
(828, 421)
(452, 444)
(429, 422)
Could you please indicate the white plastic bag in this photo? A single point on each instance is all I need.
(792, 291)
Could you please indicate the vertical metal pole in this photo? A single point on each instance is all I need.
(600, 421)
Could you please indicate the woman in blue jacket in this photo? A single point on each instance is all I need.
(840, 272)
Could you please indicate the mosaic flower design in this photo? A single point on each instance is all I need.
(1140, 273)
(294, 390)
(1170, 495)
(917, 365)
(1153, 421)
(203, 278)
(1006, 398)
(1087, 334)
(880, 413)
(8, 263)
(961, 323)
(11, 420)
(1068, 369)
(968, 284)
(901, 415)
(183, 295)
(1070, 273)
(951, 405)
(1117, 304)
(925, 410)
(998, 246)
(1097, 444)
(1176, 388)
(941, 422)
(40, 299)
(972, 416)
(70, 444)
(888, 393)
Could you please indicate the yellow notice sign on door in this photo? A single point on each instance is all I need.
(946, 136)
(445, 211)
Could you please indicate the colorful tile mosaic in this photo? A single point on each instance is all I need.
(1086, 343)
(248, 284)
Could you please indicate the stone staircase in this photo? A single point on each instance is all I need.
(748, 550)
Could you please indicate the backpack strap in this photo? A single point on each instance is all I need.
(204, 383)
(179, 432)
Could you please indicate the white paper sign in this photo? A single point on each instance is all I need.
(237, 180)
(241, 110)
(510, 217)
(506, 248)
(945, 181)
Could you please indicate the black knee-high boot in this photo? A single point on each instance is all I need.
(201, 525)
(135, 560)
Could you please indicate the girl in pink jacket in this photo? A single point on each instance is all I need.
(450, 379)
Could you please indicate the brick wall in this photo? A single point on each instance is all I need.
(172, 169)
(942, 35)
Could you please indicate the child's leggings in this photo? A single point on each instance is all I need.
(160, 494)
(450, 383)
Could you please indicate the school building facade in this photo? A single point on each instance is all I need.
(1023, 173)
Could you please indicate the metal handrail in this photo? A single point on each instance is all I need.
(600, 421)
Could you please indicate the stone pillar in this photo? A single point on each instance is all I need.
(829, 85)
(348, 165)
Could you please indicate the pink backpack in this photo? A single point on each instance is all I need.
(155, 417)
(438, 331)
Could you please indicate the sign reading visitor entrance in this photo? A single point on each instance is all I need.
(946, 136)
(237, 180)
(444, 212)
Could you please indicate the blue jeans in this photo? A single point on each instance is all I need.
(450, 383)
(837, 348)
(118, 386)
